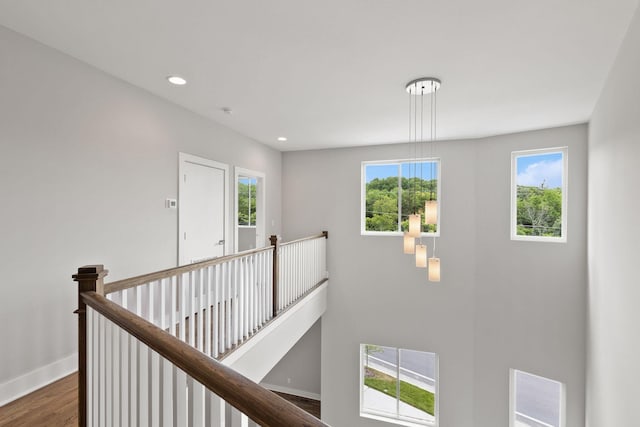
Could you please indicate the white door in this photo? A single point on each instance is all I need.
(202, 207)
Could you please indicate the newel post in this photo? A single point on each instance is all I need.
(276, 249)
(90, 278)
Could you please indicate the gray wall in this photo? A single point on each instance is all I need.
(614, 291)
(501, 304)
(86, 162)
(246, 238)
(299, 370)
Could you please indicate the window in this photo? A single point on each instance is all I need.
(393, 190)
(539, 195)
(398, 386)
(246, 201)
(536, 401)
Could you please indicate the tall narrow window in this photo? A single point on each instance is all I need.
(398, 385)
(393, 190)
(246, 201)
(536, 401)
(539, 195)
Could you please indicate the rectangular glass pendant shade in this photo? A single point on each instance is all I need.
(431, 211)
(421, 256)
(414, 225)
(409, 244)
(434, 269)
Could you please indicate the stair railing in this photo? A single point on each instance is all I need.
(144, 342)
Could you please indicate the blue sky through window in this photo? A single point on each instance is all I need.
(534, 170)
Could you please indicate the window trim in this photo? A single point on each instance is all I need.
(399, 419)
(363, 194)
(514, 194)
(512, 397)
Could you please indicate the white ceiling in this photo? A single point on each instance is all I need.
(332, 73)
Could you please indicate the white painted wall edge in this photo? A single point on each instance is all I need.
(38, 378)
(293, 391)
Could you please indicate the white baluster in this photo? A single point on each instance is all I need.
(209, 306)
(242, 305)
(197, 403)
(181, 398)
(143, 385)
(102, 383)
(238, 419)
(124, 377)
(215, 410)
(182, 323)
(150, 302)
(216, 314)
(133, 383)
(226, 268)
(167, 393)
(192, 310)
(173, 305)
(234, 301)
(116, 387)
(155, 385)
(91, 355)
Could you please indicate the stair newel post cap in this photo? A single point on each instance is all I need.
(274, 239)
(90, 278)
(325, 233)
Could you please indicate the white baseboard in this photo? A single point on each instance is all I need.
(38, 378)
(293, 391)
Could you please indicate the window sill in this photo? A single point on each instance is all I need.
(398, 421)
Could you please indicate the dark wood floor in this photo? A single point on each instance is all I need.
(53, 405)
(56, 405)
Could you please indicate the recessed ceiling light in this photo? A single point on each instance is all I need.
(177, 80)
(282, 139)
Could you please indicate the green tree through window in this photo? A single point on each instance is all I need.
(247, 201)
(405, 186)
(539, 186)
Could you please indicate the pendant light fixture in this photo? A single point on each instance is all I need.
(409, 244)
(417, 90)
(421, 256)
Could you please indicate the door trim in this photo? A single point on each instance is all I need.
(184, 158)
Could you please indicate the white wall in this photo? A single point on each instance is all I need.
(614, 291)
(86, 162)
(501, 304)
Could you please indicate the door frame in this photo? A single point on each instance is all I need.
(261, 209)
(184, 158)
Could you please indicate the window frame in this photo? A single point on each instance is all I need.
(512, 398)
(399, 419)
(399, 162)
(514, 194)
(253, 182)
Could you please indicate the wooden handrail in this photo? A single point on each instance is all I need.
(261, 405)
(169, 272)
(324, 234)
